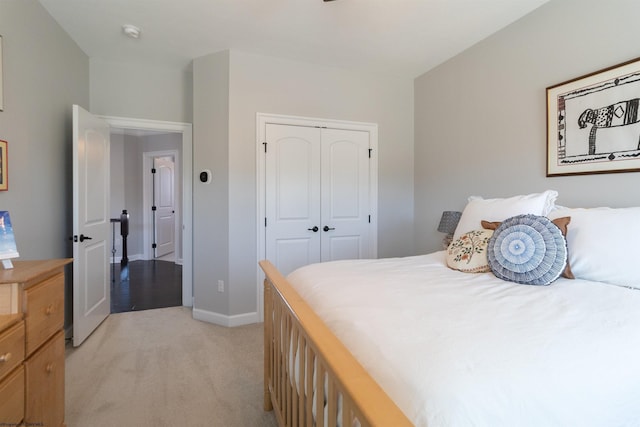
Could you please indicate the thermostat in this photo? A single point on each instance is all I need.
(205, 176)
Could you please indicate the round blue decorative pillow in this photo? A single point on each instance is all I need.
(527, 249)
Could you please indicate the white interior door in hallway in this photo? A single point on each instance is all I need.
(164, 205)
(318, 195)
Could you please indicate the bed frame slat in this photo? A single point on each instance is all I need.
(294, 336)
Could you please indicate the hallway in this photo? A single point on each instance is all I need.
(143, 285)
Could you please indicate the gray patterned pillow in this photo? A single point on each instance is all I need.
(527, 249)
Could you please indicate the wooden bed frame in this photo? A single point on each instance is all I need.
(349, 395)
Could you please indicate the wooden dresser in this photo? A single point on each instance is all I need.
(32, 343)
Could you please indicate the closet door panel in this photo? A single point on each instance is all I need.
(292, 170)
(345, 199)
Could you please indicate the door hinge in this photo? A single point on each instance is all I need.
(153, 170)
(370, 150)
(265, 221)
(369, 219)
(153, 208)
(265, 146)
(153, 246)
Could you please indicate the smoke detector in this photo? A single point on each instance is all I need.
(131, 31)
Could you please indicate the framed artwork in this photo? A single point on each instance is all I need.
(4, 172)
(593, 122)
(8, 247)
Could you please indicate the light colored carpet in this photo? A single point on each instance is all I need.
(163, 368)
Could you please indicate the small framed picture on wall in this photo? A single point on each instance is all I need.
(4, 172)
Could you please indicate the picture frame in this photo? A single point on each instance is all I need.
(8, 248)
(593, 122)
(4, 168)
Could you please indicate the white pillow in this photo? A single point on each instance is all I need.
(604, 244)
(479, 209)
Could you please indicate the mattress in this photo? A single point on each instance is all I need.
(460, 349)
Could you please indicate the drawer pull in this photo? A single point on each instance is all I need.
(50, 367)
(5, 357)
(49, 310)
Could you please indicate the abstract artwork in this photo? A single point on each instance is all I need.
(593, 122)
(8, 247)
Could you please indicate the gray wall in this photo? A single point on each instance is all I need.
(271, 85)
(480, 118)
(133, 193)
(117, 188)
(211, 201)
(44, 74)
(141, 91)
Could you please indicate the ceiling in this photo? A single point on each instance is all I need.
(400, 37)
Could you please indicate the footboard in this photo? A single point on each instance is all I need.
(310, 378)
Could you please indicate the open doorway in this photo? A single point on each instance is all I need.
(146, 265)
(135, 146)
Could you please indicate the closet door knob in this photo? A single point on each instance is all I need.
(326, 228)
(314, 229)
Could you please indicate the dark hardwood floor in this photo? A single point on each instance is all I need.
(143, 285)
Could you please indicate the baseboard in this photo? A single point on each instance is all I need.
(136, 257)
(118, 258)
(224, 320)
(68, 332)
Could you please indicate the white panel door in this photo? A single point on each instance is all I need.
(317, 195)
(345, 195)
(165, 206)
(91, 223)
(292, 205)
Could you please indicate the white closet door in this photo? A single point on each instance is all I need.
(345, 198)
(292, 191)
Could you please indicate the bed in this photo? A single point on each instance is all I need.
(422, 341)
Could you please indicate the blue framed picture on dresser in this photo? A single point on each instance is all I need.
(8, 248)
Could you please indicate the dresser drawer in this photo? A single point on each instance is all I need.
(11, 348)
(44, 384)
(12, 398)
(44, 311)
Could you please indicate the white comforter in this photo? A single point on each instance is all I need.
(460, 349)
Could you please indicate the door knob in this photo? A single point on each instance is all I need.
(314, 229)
(83, 238)
(326, 228)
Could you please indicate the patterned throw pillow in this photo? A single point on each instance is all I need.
(527, 249)
(469, 252)
(561, 223)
